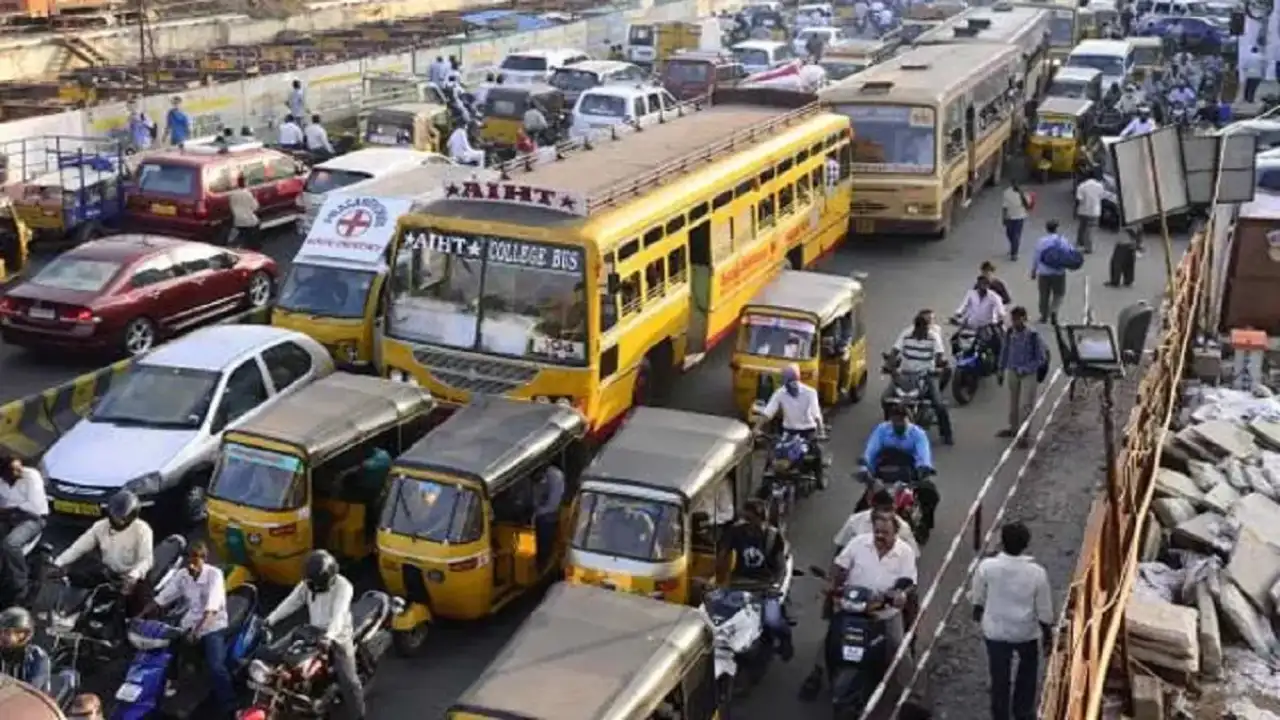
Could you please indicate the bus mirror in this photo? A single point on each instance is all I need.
(613, 283)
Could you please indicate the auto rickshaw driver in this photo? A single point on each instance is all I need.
(755, 551)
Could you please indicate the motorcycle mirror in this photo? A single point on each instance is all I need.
(817, 572)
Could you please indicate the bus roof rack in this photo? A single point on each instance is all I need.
(798, 106)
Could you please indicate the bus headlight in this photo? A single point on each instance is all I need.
(913, 209)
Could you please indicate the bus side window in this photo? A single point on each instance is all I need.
(655, 279)
(631, 294)
(766, 212)
(786, 199)
(802, 190)
(846, 161)
(677, 273)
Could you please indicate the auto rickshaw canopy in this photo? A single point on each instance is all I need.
(671, 450)
(587, 653)
(338, 411)
(824, 296)
(405, 114)
(493, 441)
(512, 101)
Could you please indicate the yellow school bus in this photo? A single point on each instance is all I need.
(592, 273)
(1027, 28)
(931, 126)
(1064, 26)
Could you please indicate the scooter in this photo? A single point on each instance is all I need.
(974, 360)
(741, 640)
(143, 694)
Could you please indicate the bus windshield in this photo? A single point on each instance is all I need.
(892, 138)
(630, 527)
(496, 295)
(1062, 29)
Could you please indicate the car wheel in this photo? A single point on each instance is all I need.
(139, 336)
(259, 291)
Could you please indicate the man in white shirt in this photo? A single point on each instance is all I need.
(125, 545)
(548, 497)
(921, 350)
(1088, 211)
(316, 139)
(1254, 70)
(860, 523)
(460, 150)
(535, 125)
(981, 311)
(438, 71)
(1140, 125)
(1013, 602)
(1014, 209)
(327, 596)
(290, 137)
(24, 507)
(244, 215)
(801, 415)
(297, 102)
(204, 594)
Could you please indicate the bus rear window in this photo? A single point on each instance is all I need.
(524, 63)
(180, 180)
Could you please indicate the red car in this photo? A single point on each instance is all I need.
(183, 191)
(126, 293)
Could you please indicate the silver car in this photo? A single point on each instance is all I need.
(158, 429)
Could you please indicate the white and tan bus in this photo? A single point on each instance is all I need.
(1064, 28)
(930, 127)
(1025, 27)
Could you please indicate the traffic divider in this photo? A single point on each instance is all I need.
(30, 426)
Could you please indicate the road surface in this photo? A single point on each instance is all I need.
(903, 275)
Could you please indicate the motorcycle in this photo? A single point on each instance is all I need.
(974, 360)
(899, 481)
(790, 475)
(157, 661)
(742, 643)
(906, 389)
(293, 678)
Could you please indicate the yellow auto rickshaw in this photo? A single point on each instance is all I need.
(421, 126)
(663, 472)
(609, 656)
(308, 472)
(1148, 57)
(1060, 136)
(505, 106)
(456, 538)
(811, 319)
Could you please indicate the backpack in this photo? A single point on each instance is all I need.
(1061, 256)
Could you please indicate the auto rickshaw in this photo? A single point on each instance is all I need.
(663, 472)
(1063, 128)
(1148, 57)
(418, 126)
(505, 106)
(811, 319)
(304, 474)
(643, 655)
(456, 537)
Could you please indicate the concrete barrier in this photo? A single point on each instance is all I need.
(260, 102)
(28, 427)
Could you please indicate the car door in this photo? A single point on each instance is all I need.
(638, 109)
(283, 174)
(194, 264)
(156, 290)
(655, 103)
(244, 394)
(254, 171)
(288, 365)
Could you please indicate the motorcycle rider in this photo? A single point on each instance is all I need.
(983, 312)
(899, 446)
(859, 523)
(920, 350)
(24, 508)
(460, 149)
(757, 552)
(801, 415)
(1130, 100)
(1141, 124)
(988, 271)
(19, 657)
(327, 596)
(125, 547)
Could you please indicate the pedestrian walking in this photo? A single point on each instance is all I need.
(1088, 210)
(177, 124)
(244, 216)
(1123, 258)
(297, 102)
(1024, 361)
(1016, 206)
(1013, 603)
(1254, 69)
(1054, 256)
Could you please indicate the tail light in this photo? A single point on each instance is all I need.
(252, 714)
(78, 315)
(8, 306)
(202, 209)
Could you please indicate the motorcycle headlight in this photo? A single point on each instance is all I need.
(259, 672)
(148, 484)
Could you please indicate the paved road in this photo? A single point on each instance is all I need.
(902, 277)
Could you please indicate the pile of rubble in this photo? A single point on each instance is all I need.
(1208, 590)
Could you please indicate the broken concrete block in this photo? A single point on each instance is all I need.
(1194, 447)
(1163, 634)
(1210, 634)
(1171, 483)
(1205, 475)
(1226, 438)
(1259, 513)
(1248, 624)
(1207, 533)
(1254, 566)
(1152, 539)
(1148, 698)
(1172, 512)
(1221, 498)
(1267, 433)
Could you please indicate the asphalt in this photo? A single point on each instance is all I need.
(903, 275)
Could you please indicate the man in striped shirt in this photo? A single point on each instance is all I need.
(920, 349)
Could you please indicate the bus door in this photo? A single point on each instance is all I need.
(971, 134)
(701, 273)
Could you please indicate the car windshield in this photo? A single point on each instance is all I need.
(163, 179)
(892, 138)
(777, 337)
(630, 527)
(1148, 56)
(326, 291)
(841, 69)
(258, 478)
(496, 295)
(602, 105)
(158, 396)
(433, 511)
(524, 63)
(76, 274)
(1062, 29)
(323, 180)
(752, 57)
(1055, 128)
(688, 73)
(1268, 178)
(1067, 89)
(1109, 65)
(571, 80)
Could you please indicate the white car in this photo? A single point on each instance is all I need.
(609, 105)
(830, 36)
(536, 66)
(157, 430)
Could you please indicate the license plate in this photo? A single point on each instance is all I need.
(164, 210)
(852, 654)
(129, 692)
(75, 508)
(864, 226)
(40, 313)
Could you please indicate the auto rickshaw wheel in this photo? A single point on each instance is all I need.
(408, 643)
(858, 389)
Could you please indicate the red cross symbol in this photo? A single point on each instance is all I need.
(354, 223)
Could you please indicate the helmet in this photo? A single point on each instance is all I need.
(320, 571)
(16, 627)
(123, 509)
(790, 374)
